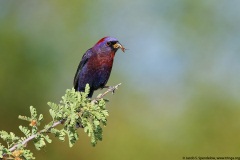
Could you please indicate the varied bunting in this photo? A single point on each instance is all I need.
(96, 65)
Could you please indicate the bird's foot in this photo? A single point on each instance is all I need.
(112, 88)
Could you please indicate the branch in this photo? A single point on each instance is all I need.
(34, 136)
(74, 108)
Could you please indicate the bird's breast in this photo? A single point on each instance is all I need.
(101, 61)
(99, 69)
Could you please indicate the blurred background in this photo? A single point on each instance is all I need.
(180, 93)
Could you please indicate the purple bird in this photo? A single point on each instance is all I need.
(96, 65)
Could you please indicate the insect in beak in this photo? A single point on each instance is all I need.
(118, 45)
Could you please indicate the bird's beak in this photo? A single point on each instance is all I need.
(118, 45)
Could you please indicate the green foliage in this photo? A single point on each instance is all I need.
(74, 110)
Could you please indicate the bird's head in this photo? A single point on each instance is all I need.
(108, 44)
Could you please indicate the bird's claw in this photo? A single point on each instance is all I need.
(112, 88)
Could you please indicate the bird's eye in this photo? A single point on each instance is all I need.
(108, 43)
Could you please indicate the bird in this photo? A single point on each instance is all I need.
(96, 65)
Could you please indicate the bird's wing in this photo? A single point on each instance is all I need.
(84, 60)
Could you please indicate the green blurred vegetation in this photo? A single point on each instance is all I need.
(180, 93)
